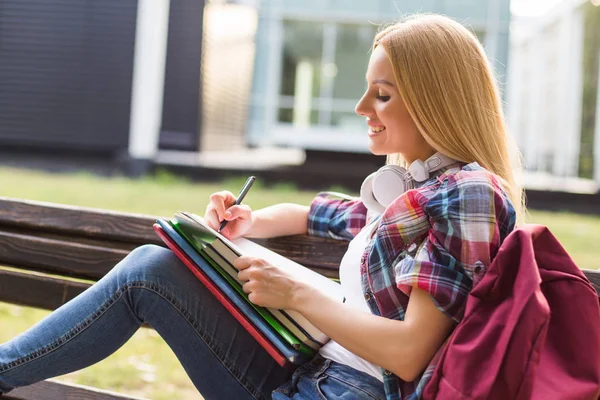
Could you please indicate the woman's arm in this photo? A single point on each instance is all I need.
(279, 220)
(340, 218)
(402, 347)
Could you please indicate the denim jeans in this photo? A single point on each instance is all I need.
(325, 379)
(152, 286)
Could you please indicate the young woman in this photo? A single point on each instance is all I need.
(431, 105)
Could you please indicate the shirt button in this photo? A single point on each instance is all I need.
(367, 296)
(478, 267)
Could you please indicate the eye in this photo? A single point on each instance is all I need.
(382, 98)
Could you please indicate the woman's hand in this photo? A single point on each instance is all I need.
(267, 285)
(221, 208)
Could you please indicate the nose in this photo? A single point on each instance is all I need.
(362, 108)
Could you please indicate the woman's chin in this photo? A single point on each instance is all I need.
(376, 149)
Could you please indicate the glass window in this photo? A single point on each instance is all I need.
(352, 54)
(286, 116)
(349, 121)
(322, 88)
(301, 68)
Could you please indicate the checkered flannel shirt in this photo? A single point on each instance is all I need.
(439, 237)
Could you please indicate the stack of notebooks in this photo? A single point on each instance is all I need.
(285, 334)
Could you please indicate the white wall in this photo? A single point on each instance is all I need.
(545, 88)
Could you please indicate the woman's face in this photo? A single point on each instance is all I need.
(391, 129)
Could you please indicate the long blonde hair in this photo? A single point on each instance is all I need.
(449, 89)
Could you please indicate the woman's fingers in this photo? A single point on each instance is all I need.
(243, 262)
(215, 210)
(248, 287)
(249, 267)
(210, 217)
(241, 211)
(221, 201)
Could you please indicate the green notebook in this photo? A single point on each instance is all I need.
(230, 250)
(192, 238)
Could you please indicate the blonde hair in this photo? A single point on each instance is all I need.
(448, 87)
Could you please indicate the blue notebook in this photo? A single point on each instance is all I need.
(293, 355)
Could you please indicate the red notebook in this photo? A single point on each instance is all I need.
(241, 318)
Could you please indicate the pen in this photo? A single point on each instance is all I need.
(240, 197)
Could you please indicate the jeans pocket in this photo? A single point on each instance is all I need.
(285, 391)
(330, 387)
(291, 388)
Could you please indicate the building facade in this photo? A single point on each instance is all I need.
(114, 80)
(552, 90)
(311, 59)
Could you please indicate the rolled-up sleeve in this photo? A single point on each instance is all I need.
(448, 286)
(336, 216)
(464, 237)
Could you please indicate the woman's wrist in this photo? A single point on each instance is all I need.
(303, 296)
(253, 218)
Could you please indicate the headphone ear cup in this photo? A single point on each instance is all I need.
(381, 188)
(390, 183)
(419, 171)
(367, 196)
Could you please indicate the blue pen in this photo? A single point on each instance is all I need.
(240, 197)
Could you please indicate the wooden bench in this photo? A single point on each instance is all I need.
(72, 242)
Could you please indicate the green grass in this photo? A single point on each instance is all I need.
(145, 366)
(579, 234)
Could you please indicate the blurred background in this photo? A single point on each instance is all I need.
(148, 106)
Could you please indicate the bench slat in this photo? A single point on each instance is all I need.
(105, 224)
(57, 256)
(594, 277)
(78, 221)
(52, 390)
(37, 291)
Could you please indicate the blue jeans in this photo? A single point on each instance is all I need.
(152, 286)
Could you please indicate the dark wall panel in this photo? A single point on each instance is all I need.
(65, 73)
(181, 106)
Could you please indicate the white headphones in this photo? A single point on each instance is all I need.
(385, 185)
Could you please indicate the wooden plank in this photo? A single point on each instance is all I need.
(70, 238)
(594, 277)
(108, 225)
(37, 291)
(53, 390)
(137, 228)
(57, 256)
(80, 221)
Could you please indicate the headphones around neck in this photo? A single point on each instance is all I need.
(385, 185)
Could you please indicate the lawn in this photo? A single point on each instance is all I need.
(145, 366)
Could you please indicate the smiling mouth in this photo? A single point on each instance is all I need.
(376, 129)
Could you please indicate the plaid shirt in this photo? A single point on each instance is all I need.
(439, 237)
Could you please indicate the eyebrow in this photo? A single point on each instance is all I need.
(383, 81)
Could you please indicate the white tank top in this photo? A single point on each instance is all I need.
(350, 281)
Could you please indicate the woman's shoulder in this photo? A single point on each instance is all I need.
(470, 189)
(465, 189)
(471, 174)
(470, 178)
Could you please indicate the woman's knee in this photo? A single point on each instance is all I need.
(147, 263)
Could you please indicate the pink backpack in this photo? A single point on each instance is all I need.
(531, 329)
